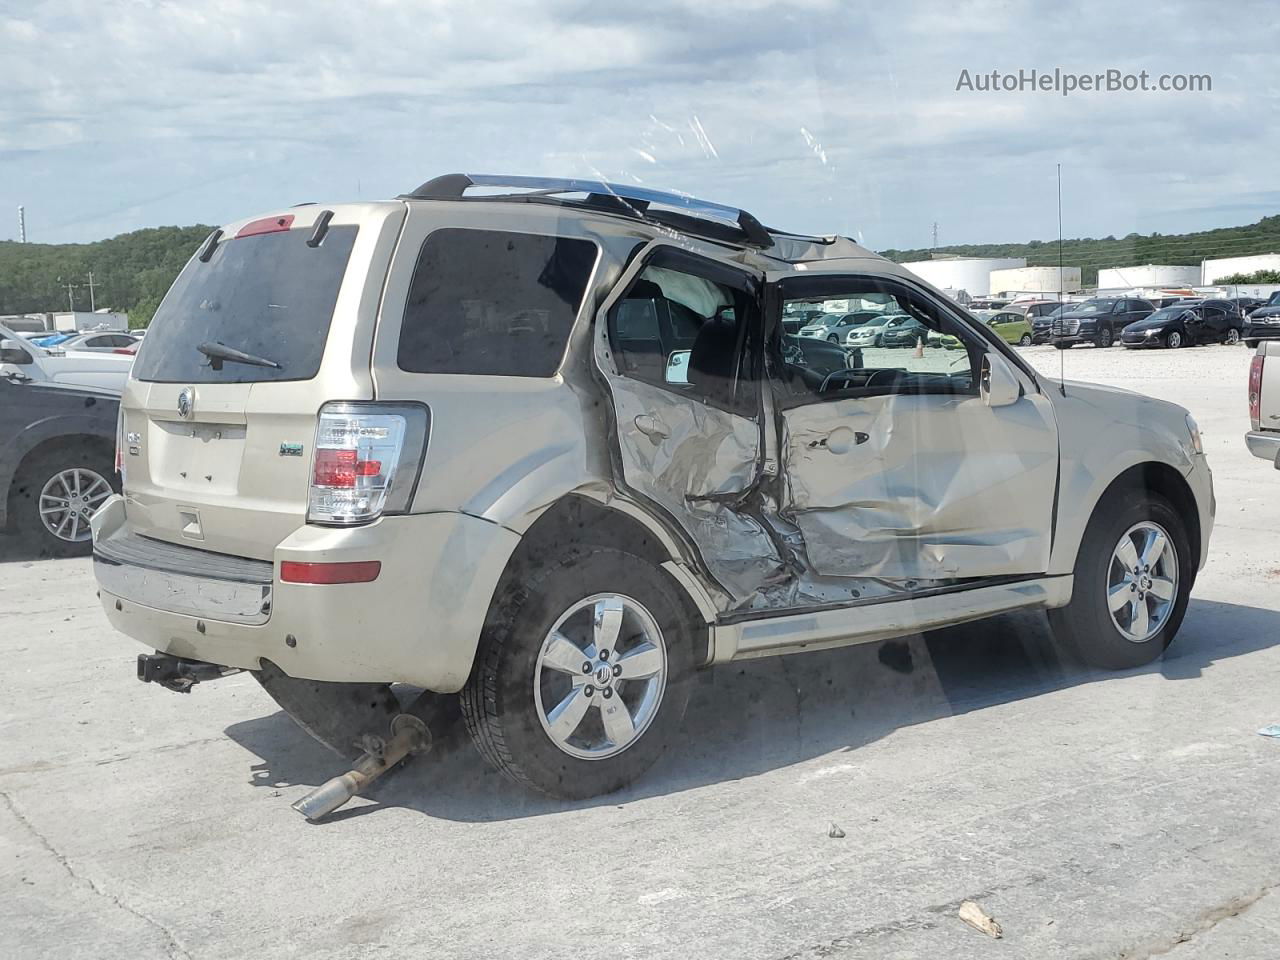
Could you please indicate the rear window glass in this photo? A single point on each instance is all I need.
(270, 296)
(490, 302)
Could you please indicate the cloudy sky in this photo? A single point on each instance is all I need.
(817, 116)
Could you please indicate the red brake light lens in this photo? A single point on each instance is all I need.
(335, 468)
(1255, 390)
(255, 228)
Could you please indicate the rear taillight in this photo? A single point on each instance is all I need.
(120, 443)
(366, 461)
(1255, 390)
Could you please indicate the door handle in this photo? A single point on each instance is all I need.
(652, 427)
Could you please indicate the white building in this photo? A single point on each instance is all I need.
(972, 274)
(1148, 275)
(84, 320)
(1014, 280)
(1215, 270)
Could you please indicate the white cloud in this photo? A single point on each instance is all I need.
(817, 116)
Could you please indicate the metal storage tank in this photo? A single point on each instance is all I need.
(1215, 270)
(971, 274)
(1148, 275)
(1035, 280)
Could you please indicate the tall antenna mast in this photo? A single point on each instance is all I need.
(1062, 354)
(935, 234)
(22, 224)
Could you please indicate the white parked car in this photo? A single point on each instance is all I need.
(100, 342)
(20, 359)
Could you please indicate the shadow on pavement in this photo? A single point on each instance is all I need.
(750, 718)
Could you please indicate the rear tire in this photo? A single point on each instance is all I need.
(1232, 337)
(1251, 344)
(1086, 627)
(81, 477)
(548, 724)
(1025, 340)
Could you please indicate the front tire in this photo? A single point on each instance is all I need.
(1104, 337)
(1133, 576)
(833, 339)
(582, 676)
(1251, 344)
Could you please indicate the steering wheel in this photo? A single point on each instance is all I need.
(834, 374)
(878, 376)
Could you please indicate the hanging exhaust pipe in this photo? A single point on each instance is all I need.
(409, 735)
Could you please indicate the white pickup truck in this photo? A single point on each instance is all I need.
(1264, 403)
(22, 360)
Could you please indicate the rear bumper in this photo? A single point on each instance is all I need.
(1264, 445)
(419, 622)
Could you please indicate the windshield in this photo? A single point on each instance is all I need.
(270, 295)
(1167, 313)
(1094, 307)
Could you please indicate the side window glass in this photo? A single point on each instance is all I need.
(686, 333)
(907, 344)
(510, 319)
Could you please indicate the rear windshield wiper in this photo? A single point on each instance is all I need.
(217, 353)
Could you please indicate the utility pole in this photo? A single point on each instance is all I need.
(71, 304)
(935, 234)
(22, 224)
(93, 304)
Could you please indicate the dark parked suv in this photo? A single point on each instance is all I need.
(1097, 321)
(56, 462)
(1264, 323)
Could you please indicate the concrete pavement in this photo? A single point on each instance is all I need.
(1093, 814)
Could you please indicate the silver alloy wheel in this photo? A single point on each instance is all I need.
(600, 676)
(1233, 336)
(1174, 340)
(67, 501)
(1142, 581)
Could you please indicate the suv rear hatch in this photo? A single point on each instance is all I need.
(269, 320)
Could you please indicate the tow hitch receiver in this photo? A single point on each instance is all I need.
(409, 735)
(177, 674)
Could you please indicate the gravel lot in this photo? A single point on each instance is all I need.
(1094, 815)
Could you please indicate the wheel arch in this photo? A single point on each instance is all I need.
(36, 444)
(1161, 478)
(579, 520)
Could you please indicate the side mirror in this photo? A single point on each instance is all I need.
(11, 352)
(998, 384)
(678, 366)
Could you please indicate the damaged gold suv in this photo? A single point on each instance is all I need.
(546, 444)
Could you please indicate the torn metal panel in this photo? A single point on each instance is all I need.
(921, 487)
(697, 462)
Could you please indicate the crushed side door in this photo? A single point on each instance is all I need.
(697, 459)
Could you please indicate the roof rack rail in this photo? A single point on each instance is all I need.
(453, 186)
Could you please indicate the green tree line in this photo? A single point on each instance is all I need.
(131, 272)
(1091, 254)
